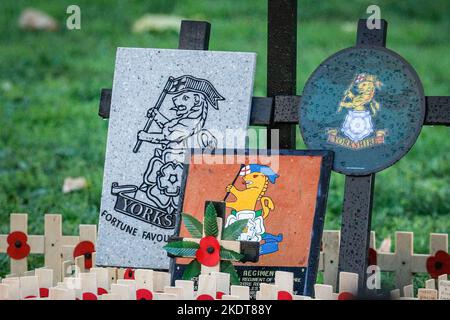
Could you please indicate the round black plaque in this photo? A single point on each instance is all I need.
(367, 105)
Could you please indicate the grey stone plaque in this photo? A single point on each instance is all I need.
(163, 103)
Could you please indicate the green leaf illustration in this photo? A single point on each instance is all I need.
(192, 270)
(182, 248)
(210, 221)
(226, 254)
(194, 226)
(227, 267)
(234, 230)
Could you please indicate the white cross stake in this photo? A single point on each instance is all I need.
(444, 290)
(29, 287)
(4, 291)
(188, 288)
(285, 281)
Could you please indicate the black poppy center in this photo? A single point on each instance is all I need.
(130, 273)
(438, 265)
(210, 250)
(18, 244)
(88, 255)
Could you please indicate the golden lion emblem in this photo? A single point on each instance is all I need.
(366, 86)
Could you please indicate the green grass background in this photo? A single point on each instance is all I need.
(50, 84)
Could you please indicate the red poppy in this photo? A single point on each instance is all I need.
(18, 247)
(219, 295)
(129, 274)
(43, 292)
(438, 264)
(346, 296)
(30, 297)
(205, 297)
(85, 248)
(372, 257)
(89, 296)
(101, 291)
(209, 252)
(284, 295)
(144, 294)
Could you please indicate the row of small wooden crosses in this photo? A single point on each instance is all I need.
(348, 290)
(435, 289)
(97, 284)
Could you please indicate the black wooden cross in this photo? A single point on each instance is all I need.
(279, 110)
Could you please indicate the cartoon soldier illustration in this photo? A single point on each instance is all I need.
(252, 204)
(160, 189)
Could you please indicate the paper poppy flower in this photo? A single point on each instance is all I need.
(43, 292)
(144, 294)
(89, 296)
(18, 247)
(219, 295)
(85, 248)
(209, 252)
(438, 264)
(101, 291)
(346, 296)
(205, 297)
(372, 257)
(284, 295)
(128, 274)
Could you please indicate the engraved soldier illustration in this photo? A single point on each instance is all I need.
(156, 199)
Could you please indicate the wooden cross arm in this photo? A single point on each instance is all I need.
(286, 109)
(249, 249)
(437, 111)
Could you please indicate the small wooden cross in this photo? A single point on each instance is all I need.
(212, 246)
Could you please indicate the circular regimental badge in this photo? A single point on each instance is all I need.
(367, 105)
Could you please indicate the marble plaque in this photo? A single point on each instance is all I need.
(164, 102)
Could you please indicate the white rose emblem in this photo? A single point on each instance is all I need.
(255, 225)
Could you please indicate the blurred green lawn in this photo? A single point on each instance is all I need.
(50, 85)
